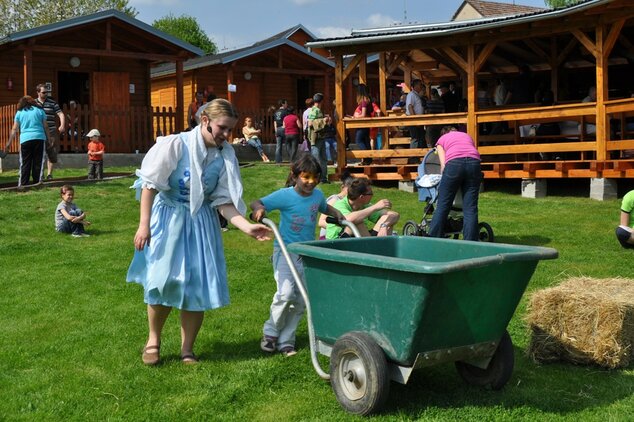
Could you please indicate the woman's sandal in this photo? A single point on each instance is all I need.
(151, 355)
(189, 359)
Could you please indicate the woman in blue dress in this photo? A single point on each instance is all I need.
(179, 258)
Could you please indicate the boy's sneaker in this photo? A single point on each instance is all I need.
(288, 351)
(77, 235)
(268, 344)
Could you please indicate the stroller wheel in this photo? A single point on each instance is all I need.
(485, 233)
(411, 228)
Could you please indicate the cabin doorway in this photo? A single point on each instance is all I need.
(73, 86)
(304, 91)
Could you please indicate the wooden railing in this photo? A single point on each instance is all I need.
(518, 142)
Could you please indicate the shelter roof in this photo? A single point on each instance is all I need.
(417, 31)
(277, 40)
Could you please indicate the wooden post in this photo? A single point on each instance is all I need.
(383, 94)
(229, 81)
(602, 95)
(28, 70)
(341, 145)
(180, 103)
(472, 127)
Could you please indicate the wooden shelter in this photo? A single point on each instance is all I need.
(567, 50)
(254, 78)
(100, 62)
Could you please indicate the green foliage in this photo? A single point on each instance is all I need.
(27, 14)
(72, 329)
(560, 3)
(187, 29)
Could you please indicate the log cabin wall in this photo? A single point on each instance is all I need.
(87, 59)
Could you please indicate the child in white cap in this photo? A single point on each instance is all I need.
(96, 150)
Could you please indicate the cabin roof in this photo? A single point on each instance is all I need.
(492, 8)
(417, 31)
(97, 17)
(279, 39)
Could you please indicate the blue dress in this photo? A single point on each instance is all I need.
(184, 264)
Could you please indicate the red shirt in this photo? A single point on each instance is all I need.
(96, 147)
(290, 125)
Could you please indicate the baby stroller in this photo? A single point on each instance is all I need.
(427, 182)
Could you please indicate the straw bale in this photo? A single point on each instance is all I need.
(583, 321)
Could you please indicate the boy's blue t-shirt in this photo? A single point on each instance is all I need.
(298, 213)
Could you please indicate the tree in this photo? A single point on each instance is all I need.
(187, 29)
(560, 3)
(27, 14)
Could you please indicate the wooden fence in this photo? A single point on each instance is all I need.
(125, 130)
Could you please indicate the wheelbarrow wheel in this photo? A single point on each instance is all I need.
(485, 233)
(411, 229)
(359, 373)
(499, 371)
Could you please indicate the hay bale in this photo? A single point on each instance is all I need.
(584, 321)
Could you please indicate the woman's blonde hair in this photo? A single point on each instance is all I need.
(220, 108)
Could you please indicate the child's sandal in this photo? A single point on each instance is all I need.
(151, 355)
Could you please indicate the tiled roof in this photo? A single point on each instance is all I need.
(491, 8)
(276, 40)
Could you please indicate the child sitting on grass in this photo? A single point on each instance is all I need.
(299, 205)
(69, 218)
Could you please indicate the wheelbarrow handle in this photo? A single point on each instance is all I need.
(344, 223)
(302, 289)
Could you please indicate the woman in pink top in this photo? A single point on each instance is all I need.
(460, 167)
(292, 129)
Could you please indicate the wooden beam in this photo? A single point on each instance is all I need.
(363, 72)
(567, 49)
(103, 53)
(472, 127)
(610, 40)
(352, 66)
(455, 57)
(108, 36)
(382, 83)
(27, 70)
(180, 102)
(484, 55)
(602, 125)
(230, 95)
(398, 59)
(341, 144)
(536, 48)
(262, 69)
(585, 41)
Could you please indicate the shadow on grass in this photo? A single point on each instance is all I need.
(556, 388)
(530, 240)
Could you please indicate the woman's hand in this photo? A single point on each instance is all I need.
(258, 231)
(142, 237)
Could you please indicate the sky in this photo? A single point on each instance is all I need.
(239, 23)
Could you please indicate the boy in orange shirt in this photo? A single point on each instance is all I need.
(96, 150)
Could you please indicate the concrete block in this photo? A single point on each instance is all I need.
(533, 188)
(603, 189)
(406, 186)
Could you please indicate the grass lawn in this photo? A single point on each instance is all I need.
(71, 328)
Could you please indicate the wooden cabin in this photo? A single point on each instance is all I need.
(567, 51)
(254, 78)
(98, 69)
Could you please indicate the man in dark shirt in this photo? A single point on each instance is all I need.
(278, 122)
(52, 109)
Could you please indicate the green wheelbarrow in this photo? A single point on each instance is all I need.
(381, 307)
